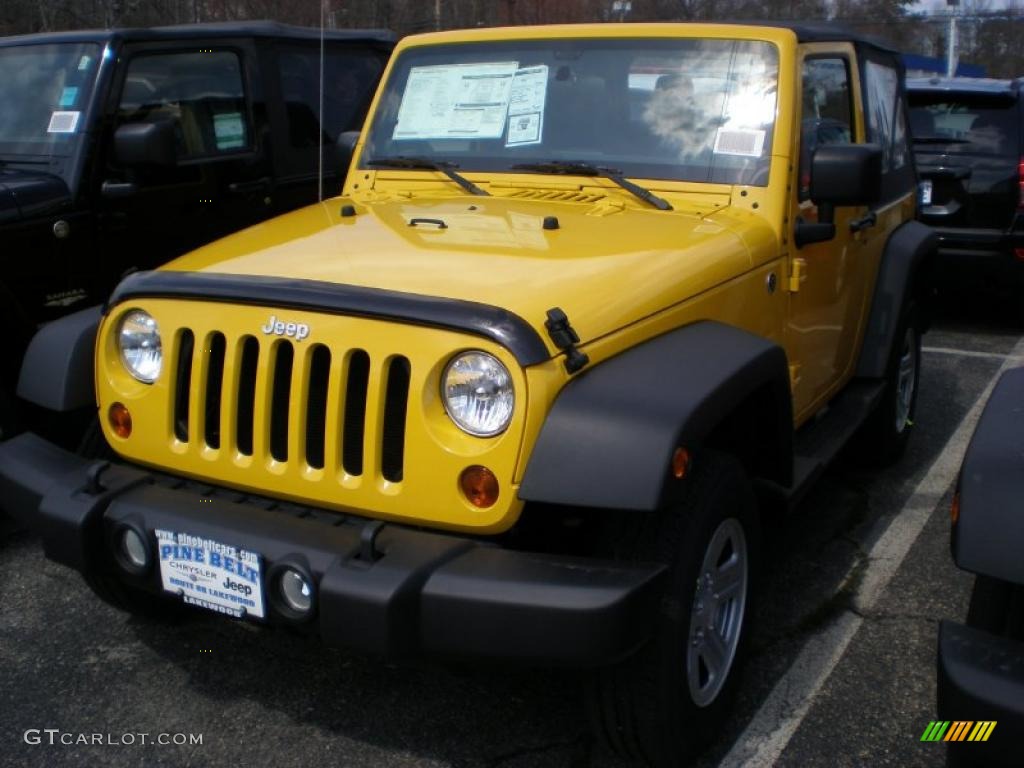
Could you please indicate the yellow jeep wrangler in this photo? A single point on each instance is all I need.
(592, 297)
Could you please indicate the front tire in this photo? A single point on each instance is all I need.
(667, 702)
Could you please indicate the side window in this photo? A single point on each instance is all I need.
(826, 113)
(350, 75)
(887, 122)
(201, 93)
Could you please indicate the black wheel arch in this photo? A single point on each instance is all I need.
(989, 533)
(608, 440)
(57, 371)
(901, 277)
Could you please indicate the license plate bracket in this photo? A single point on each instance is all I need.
(211, 574)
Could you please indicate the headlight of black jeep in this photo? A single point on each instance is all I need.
(139, 342)
(477, 393)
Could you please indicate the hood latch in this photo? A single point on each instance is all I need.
(565, 338)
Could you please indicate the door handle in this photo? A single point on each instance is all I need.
(869, 219)
(116, 190)
(248, 187)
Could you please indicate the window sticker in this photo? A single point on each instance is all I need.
(526, 106)
(456, 101)
(68, 96)
(63, 122)
(229, 129)
(744, 143)
(84, 62)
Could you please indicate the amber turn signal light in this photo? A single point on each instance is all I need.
(680, 463)
(479, 486)
(120, 420)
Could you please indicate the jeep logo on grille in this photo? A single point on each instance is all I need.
(298, 331)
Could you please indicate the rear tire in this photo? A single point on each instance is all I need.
(669, 700)
(884, 436)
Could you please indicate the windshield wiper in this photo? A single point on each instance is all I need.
(575, 168)
(422, 163)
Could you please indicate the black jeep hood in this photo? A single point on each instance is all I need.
(30, 194)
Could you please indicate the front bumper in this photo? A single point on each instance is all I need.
(387, 589)
(981, 678)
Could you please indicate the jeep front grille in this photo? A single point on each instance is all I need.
(252, 390)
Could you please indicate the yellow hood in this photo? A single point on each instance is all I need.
(605, 266)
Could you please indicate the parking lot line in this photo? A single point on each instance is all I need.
(765, 738)
(963, 352)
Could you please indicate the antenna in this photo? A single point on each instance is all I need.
(320, 115)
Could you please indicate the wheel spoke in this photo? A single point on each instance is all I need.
(729, 580)
(714, 651)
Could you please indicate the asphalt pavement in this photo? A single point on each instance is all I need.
(841, 670)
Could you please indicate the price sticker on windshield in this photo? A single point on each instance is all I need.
(63, 122)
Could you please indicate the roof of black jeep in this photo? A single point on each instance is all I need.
(205, 31)
(973, 85)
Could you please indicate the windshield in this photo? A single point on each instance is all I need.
(44, 90)
(974, 124)
(690, 110)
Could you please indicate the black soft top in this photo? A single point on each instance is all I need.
(966, 85)
(268, 29)
(823, 32)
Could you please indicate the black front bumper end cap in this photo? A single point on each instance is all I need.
(981, 678)
(385, 589)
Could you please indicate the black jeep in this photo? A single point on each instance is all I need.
(125, 148)
(970, 157)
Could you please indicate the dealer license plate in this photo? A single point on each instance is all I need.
(925, 192)
(210, 574)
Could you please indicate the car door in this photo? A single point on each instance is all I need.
(828, 286)
(220, 180)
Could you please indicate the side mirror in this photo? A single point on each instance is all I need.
(344, 148)
(841, 174)
(145, 144)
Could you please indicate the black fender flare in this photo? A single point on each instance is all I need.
(989, 535)
(609, 438)
(905, 254)
(58, 370)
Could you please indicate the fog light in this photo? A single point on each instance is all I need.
(120, 420)
(133, 549)
(295, 591)
(480, 486)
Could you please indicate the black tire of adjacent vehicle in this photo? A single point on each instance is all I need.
(643, 708)
(998, 607)
(884, 436)
(106, 584)
(8, 414)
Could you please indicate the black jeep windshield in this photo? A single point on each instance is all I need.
(44, 93)
(689, 110)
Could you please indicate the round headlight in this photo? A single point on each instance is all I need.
(139, 342)
(477, 393)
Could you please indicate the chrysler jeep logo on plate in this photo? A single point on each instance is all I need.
(212, 575)
(275, 327)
